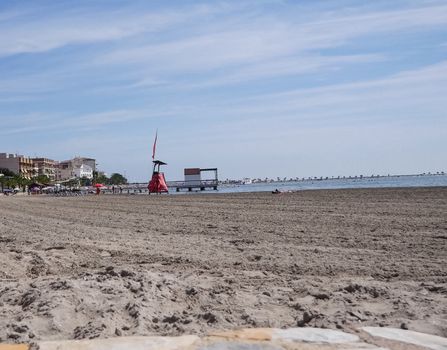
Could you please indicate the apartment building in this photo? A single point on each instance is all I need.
(45, 167)
(77, 167)
(18, 164)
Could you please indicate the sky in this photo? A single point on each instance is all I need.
(255, 88)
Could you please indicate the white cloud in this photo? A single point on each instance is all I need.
(270, 38)
(218, 51)
(84, 27)
(411, 96)
(268, 46)
(306, 64)
(66, 123)
(397, 98)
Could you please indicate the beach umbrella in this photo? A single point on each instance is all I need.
(99, 185)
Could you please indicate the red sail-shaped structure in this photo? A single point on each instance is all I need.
(158, 181)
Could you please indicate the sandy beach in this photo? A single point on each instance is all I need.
(103, 266)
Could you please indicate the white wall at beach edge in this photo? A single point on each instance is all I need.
(252, 339)
(314, 335)
(426, 340)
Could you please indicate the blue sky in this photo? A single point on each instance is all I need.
(255, 88)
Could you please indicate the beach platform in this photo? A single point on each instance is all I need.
(194, 185)
(193, 180)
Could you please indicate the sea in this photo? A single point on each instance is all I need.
(369, 182)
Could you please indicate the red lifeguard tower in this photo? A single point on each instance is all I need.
(158, 181)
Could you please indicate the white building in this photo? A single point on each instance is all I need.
(246, 181)
(83, 171)
(76, 168)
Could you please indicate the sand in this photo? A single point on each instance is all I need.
(103, 266)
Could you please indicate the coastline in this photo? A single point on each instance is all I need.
(401, 181)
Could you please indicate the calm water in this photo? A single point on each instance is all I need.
(392, 181)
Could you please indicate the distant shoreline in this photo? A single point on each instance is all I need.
(392, 181)
(326, 178)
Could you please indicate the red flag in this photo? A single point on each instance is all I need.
(154, 146)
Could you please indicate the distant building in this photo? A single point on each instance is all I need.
(193, 179)
(77, 167)
(45, 167)
(247, 181)
(18, 164)
(84, 170)
(193, 176)
(89, 161)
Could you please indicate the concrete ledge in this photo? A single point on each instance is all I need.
(314, 335)
(134, 343)
(427, 340)
(253, 339)
(311, 335)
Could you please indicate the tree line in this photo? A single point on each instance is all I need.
(9, 179)
(114, 179)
